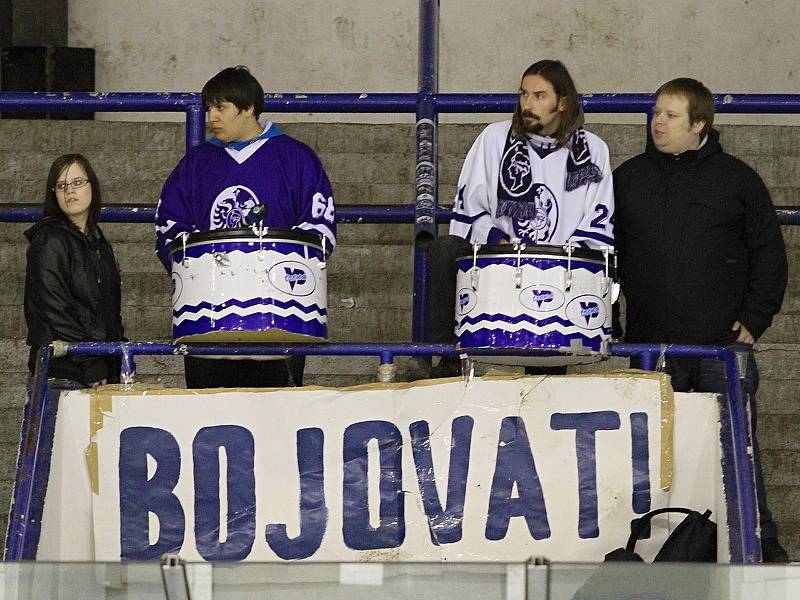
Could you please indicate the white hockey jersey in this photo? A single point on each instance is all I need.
(584, 215)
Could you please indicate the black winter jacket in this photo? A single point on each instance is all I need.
(699, 246)
(72, 293)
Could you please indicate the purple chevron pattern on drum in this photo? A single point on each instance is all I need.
(554, 340)
(263, 322)
(264, 302)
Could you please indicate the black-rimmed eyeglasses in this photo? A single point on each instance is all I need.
(77, 183)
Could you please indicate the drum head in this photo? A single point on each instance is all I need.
(245, 234)
(536, 250)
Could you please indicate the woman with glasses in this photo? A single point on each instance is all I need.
(72, 283)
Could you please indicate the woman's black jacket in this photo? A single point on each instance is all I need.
(72, 293)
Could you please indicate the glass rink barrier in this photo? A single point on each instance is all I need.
(175, 580)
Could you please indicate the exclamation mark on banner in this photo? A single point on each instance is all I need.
(640, 459)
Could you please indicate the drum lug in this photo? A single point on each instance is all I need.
(184, 258)
(474, 276)
(221, 258)
(606, 287)
(518, 272)
(467, 368)
(566, 280)
(518, 278)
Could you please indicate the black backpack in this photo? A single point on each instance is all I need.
(694, 540)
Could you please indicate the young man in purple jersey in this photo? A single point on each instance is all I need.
(217, 184)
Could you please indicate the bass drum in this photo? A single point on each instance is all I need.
(234, 285)
(554, 300)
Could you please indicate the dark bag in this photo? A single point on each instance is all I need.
(694, 540)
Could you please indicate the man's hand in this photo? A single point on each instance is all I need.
(744, 335)
(97, 384)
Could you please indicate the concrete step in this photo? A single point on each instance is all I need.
(369, 325)
(779, 432)
(778, 362)
(785, 329)
(778, 396)
(781, 467)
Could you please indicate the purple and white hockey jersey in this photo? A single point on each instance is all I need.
(583, 214)
(215, 187)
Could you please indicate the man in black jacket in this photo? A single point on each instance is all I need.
(701, 257)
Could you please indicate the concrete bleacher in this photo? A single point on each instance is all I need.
(370, 276)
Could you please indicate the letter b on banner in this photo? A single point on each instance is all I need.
(139, 495)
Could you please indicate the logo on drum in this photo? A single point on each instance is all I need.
(541, 298)
(231, 205)
(177, 288)
(465, 301)
(590, 310)
(292, 278)
(587, 312)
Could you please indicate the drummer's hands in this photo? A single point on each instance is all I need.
(97, 384)
(744, 335)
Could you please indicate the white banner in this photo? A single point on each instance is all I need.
(500, 469)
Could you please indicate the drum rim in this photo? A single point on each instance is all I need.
(507, 251)
(271, 234)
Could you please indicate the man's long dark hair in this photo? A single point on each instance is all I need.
(51, 207)
(556, 73)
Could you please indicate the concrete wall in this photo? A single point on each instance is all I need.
(370, 274)
(355, 46)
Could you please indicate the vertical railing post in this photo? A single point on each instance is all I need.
(24, 517)
(426, 180)
(741, 448)
(195, 126)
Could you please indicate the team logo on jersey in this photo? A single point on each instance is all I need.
(587, 312)
(465, 301)
(292, 278)
(543, 225)
(541, 298)
(231, 205)
(516, 175)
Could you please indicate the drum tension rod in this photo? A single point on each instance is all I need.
(518, 272)
(473, 274)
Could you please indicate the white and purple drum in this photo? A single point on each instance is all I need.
(547, 298)
(249, 285)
